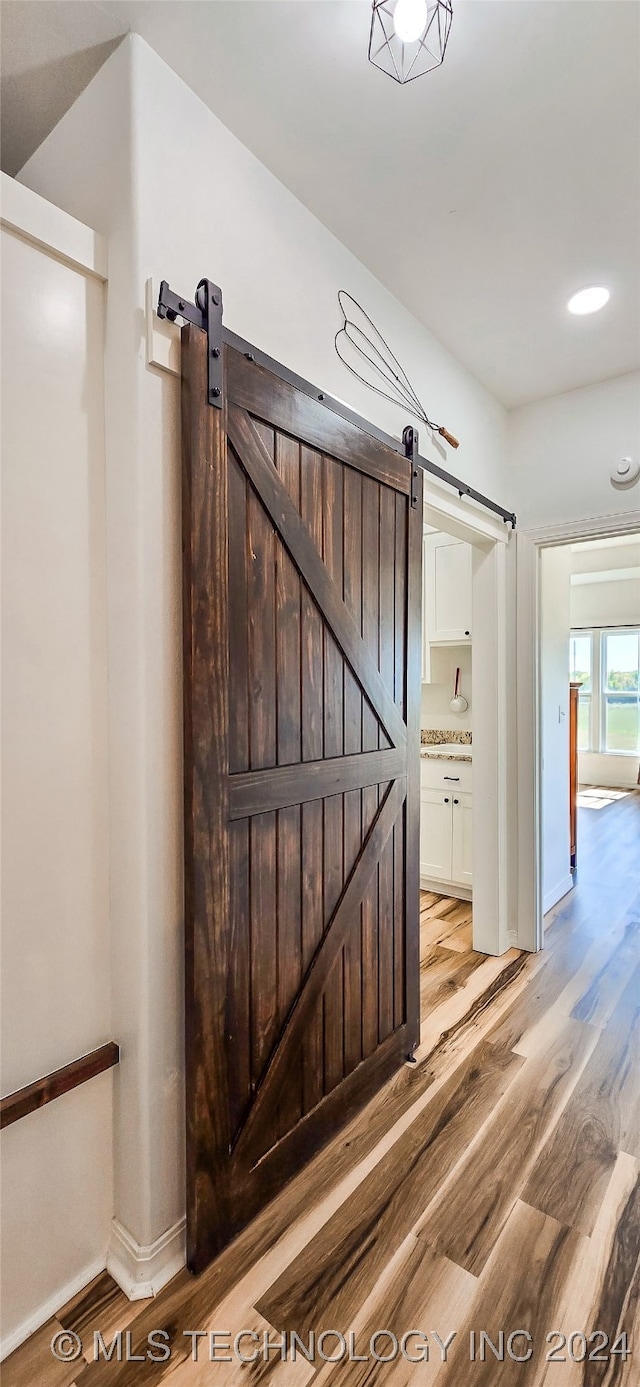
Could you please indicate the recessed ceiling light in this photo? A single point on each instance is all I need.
(588, 300)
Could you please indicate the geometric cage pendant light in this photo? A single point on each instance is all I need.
(409, 37)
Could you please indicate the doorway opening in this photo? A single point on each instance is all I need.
(589, 718)
(462, 910)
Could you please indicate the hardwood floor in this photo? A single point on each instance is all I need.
(494, 1186)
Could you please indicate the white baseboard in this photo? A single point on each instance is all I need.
(142, 1271)
(446, 888)
(49, 1307)
(557, 892)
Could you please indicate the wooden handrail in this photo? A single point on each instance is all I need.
(26, 1100)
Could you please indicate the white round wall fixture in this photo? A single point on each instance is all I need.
(625, 472)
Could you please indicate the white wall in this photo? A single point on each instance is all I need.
(142, 158)
(561, 451)
(56, 1163)
(437, 695)
(615, 603)
(612, 600)
(554, 703)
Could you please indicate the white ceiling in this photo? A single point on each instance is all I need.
(483, 194)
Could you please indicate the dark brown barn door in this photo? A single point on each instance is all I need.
(302, 573)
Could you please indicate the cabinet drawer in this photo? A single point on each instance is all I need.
(441, 774)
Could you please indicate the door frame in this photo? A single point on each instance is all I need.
(529, 546)
(492, 544)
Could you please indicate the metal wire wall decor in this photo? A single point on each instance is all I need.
(364, 352)
(405, 60)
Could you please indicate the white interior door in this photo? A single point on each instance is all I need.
(56, 995)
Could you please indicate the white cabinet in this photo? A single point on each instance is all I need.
(435, 835)
(461, 844)
(446, 607)
(446, 852)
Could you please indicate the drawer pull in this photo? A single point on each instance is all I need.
(451, 777)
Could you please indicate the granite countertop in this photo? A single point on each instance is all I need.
(436, 754)
(445, 745)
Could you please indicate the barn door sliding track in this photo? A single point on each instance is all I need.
(206, 313)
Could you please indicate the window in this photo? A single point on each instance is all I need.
(581, 667)
(606, 662)
(620, 692)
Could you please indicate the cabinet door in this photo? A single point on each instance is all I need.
(448, 588)
(435, 834)
(462, 845)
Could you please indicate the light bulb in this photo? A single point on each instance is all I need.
(409, 19)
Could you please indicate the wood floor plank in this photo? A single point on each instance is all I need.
(424, 1290)
(101, 1306)
(428, 898)
(468, 1218)
(599, 1001)
(461, 940)
(442, 973)
(519, 1290)
(602, 1117)
(533, 1005)
(455, 1008)
(603, 1289)
(34, 1363)
(439, 922)
(333, 1275)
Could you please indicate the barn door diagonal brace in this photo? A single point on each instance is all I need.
(205, 313)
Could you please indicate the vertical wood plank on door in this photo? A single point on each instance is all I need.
(288, 599)
(312, 750)
(312, 636)
(333, 1024)
(261, 594)
(370, 742)
(289, 751)
(400, 681)
(206, 800)
(353, 945)
(238, 620)
(264, 944)
(353, 703)
(333, 1029)
(386, 606)
(289, 948)
(238, 1017)
(312, 924)
(261, 599)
